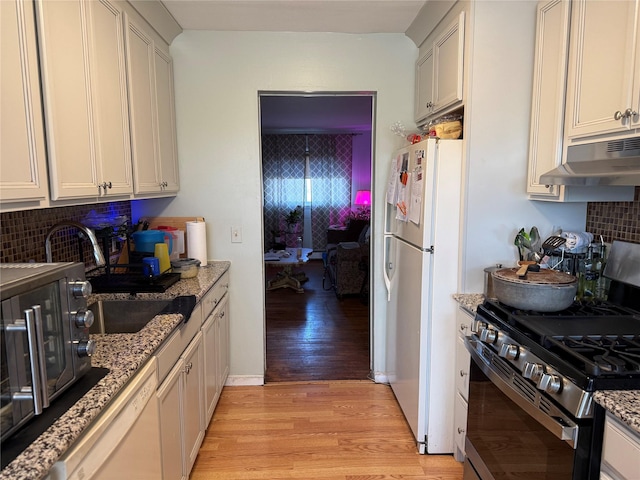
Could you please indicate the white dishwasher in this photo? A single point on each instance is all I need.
(124, 441)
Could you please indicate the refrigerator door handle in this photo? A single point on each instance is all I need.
(387, 280)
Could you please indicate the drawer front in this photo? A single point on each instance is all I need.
(214, 296)
(464, 319)
(621, 449)
(170, 352)
(463, 360)
(460, 425)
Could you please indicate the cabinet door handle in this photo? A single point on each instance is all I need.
(628, 113)
(461, 430)
(463, 373)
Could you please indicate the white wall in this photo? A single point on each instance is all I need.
(497, 119)
(217, 79)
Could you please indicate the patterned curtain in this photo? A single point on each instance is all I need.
(283, 182)
(330, 158)
(283, 166)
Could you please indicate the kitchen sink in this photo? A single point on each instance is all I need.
(125, 316)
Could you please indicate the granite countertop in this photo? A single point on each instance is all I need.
(469, 301)
(123, 354)
(624, 404)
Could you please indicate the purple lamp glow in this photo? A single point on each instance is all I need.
(363, 197)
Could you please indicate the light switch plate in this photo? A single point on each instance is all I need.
(236, 235)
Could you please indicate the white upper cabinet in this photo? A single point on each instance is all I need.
(84, 89)
(551, 106)
(152, 111)
(439, 72)
(424, 85)
(166, 120)
(22, 154)
(604, 68)
(547, 106)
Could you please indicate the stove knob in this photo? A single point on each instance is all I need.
(488, 335)
(550, 383)
(477, 325)
(533, 371)
(86, 348)
(80, 289)
(510, 352)
(83, 318)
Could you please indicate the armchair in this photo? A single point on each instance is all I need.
(345, 257)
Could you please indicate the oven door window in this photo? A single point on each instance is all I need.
(16, 383)
(509, 443)
(56, 334)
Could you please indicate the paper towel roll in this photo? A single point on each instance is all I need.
(197, 241)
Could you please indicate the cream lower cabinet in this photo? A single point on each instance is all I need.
(215, 330)
(22, 152)
(464, 320)
(181, 379)
(181, 410)
(85, 98)
(620, 451)
(152, 110)
(216, 364)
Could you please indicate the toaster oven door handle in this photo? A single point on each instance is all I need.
(42, 361)
(28, 326)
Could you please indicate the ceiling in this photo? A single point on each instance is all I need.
(340, 16)
(303, 114)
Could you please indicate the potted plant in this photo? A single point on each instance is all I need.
(293, 219)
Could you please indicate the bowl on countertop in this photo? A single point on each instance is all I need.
(186, 267)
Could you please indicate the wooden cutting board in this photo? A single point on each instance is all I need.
(177, 222)
(544, 276)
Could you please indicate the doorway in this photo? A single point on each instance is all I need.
(316, 334)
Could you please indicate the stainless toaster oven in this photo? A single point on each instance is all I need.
(44, 337)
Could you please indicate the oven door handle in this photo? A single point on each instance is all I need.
(30, 326)
(566, 431)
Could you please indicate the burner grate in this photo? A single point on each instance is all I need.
(600, 355)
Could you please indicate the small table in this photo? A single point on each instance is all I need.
(287, 259)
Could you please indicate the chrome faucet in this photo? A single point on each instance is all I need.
(97, 253)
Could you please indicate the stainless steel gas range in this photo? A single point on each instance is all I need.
(533, 376)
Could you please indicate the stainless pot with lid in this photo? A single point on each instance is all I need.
(543, 291)
(488, 280)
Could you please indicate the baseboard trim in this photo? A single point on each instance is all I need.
(380, 377)
(244, 380)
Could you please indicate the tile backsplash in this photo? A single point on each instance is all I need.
(615, 220)
(22, 233)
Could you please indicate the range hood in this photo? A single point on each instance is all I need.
(613, 162)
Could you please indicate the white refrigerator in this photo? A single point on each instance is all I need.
(421, 250)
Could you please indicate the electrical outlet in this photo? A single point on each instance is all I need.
(236, 235)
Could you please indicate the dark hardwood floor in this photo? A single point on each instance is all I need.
(314, 335)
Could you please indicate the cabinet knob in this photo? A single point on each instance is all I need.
(461, 430)
(628, 113)
(463, 373)
(463, 326)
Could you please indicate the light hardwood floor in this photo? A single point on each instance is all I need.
(347, 430)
